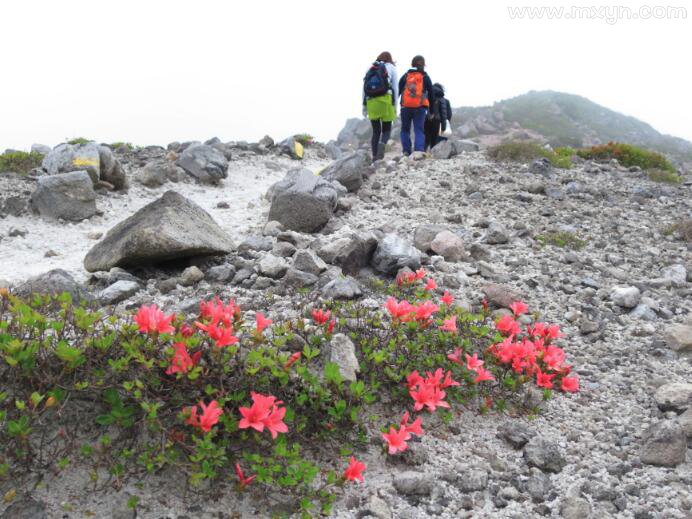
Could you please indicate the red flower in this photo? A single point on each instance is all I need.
(429, 396)
(186, 330)
(544, 380)
(292, 360)
(330, 326)
(570, 384)
(483, 374)
(218, 313)
(265, 412)
(399, 310)
(430, 284)
(221, 335)
(553, 332)
(421, 273)
(518, 308)
(554, 357)
(182, 361)
(405, 278)
(411, 428)
(152, 320)
(472, 363)
(425, 310)
(456, 356)
(320, 316)
(484, 304)
(209, 418)
(354, 471)
(450, 325)
(508, 325)
(396, 440)
(243, 481)
(261, 322)
(447, 298)
(413, 379)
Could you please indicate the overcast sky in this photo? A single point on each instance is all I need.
(150, 72)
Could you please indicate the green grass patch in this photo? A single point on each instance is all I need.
(663, 175)
(20, 161)
(78, 140)
(561, 239)
(304, 138)
(526, 151)
(627, 155)
(117, 145)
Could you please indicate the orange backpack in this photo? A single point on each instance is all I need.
(413, 96)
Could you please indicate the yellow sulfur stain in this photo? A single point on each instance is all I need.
(82, 161)
(299, 150)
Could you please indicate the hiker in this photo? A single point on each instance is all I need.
(380, 92)
(416, 89)
(436, 121)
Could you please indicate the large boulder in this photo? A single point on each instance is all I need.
(348, 170)
(169, 228)
(204, 162)
(394, 253)
(424, 235)
(664, 445)
(444, 150)
(67, 196)
(54, 282)
(448, 245)
(351, 253)
(678, 337)
(98, 161)
(675, 396)
(302, 201)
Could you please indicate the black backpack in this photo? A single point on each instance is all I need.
(376, 81)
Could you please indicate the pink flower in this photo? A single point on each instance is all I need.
(411, 428)
(187, 330)
(472, 363)
(330, 326)
(182, 361)
(429, 396)
(570, 384)
(508, 325)
(425, 310)
(274, 422)
(354, 471)
(221, 335)
(292, 360)
(264, 412)
(554, 357)
(217, 312)
(421, 273)
(398, 310)
(544, 380)
(430, 284)
(209, 418)
(261, 322)
(242, 480)
(150, 319)
(483, 374)
(450, 325)
(455, 356)
(321, 316)
(396, 440)
(447, 298)
(518, 308)
(553, 332)
(413, 379)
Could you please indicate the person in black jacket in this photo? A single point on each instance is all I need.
(438, 117)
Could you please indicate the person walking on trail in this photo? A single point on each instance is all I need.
(416, 90)
(436, 121)
(380, 92)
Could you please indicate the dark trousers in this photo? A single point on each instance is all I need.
(381, 131)
(417, 117)
(432, 132)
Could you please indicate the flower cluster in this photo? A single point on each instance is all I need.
(428, 392)
(264, 412)
(403, 311)
(151, 320)
(208, 418)
(182, 361)
(219, 321)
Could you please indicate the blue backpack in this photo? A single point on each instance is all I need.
(376, 81)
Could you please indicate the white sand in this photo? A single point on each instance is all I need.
(243, 190)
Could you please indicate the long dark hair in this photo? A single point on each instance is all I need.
(386, 57)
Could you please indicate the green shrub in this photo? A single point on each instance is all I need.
(519, 151)
(304, 138)
(627, 155)
(20, 161)
(663, 175)
(119, 144)
(562, 239)
(78, 140)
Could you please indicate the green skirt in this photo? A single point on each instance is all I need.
(381, 108)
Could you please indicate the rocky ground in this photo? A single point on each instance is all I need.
(594, 248)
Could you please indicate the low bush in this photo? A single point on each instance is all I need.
(124, 145)
(520, 151)
(627, 155)
(561, 239)
(78, 140)
(664, 175)
(248, 402)
(19, 161)
(305, 139)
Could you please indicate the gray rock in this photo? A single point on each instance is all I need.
(515, 433)
(221, 273)
(15, 205)
(678, 337)
(497, 234)
(54, 282)
(272, 228)
(349, 170)
(298, 279)
(110, 169)
(541, 166)
(626, 297)
(117, 292)
(256, 244)
(343, 353)
(643, 312)
(169, 228)
(157, 173)
(393, 253)
(67, 196)
(307, 261)
(377, 507)
(425, 234)
(203, 162)
(67, 157)
(283, 249)
(472, 479)
(25, 507)
(555, 193)
(444, 150)
(41, 149)
(501, 295)
(292, 148)
(685, 421)
(575, 508)
(272, 266)
(410, 483)
(677, 274)
(333, 150)
(191, 276)
(544, 454)
(465, 145)
(538, 486)
(448, 245)
(675, 396)
(302, 201)
(351, 253)
(664, 444)
(342, 288)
